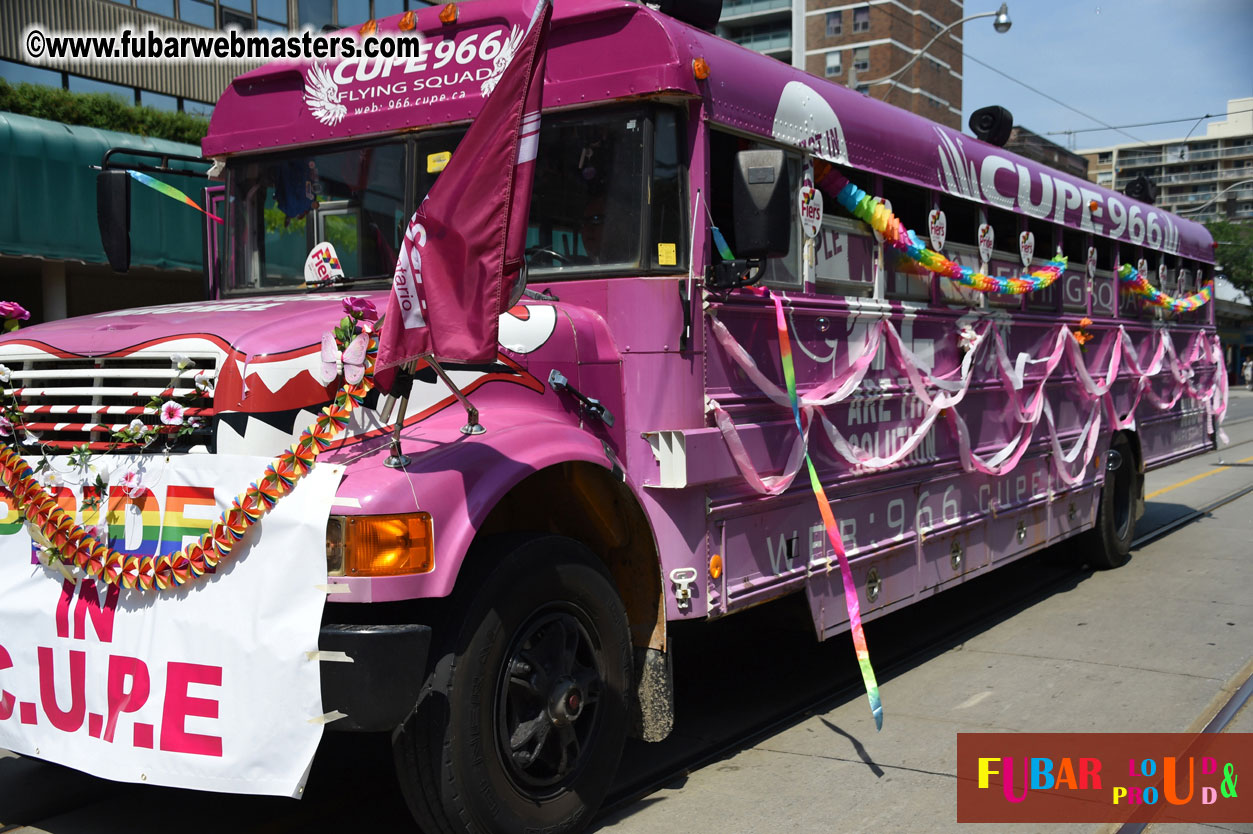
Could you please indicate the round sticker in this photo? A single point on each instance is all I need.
(1026, 247)
(937, 226)
(811, 210)
(986, 239)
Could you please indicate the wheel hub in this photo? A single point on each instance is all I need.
(566, 703)
(546, 712)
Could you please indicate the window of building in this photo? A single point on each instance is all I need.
(16, 73)
(161, 7)
(1105, 158)
(861, 59)
(198, 13)
(78, 84)
(835, 24)
(158, 100)
(861, 19)
(315, 13)
(353, 12)
(864, 89)
(275, 10)
(198, 108)
(833, 64)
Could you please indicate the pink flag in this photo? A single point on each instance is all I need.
(465, 243)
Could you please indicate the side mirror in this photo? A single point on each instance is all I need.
(761, 199)
(113, 214)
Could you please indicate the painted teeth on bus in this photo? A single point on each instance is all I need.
(772, 337)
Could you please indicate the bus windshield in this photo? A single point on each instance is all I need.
(607, 199)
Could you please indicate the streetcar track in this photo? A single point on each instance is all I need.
(849, 686)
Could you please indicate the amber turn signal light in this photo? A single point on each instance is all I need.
(379, 545)
(700, 69)
(448, 14)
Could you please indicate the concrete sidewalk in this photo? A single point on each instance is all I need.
(1156, 646)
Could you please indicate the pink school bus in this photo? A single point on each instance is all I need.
(505, 596)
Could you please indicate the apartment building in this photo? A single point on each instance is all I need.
(855, 43)
(1207, 177)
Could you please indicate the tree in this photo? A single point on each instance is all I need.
(1235, 252)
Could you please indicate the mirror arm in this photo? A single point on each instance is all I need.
(732, 275)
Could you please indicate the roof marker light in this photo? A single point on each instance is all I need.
(409, 22)
(448, 14)
(368, 28)
(700, 69)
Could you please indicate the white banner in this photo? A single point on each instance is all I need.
(207, 686)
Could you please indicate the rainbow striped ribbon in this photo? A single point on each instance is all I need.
(1137, 283)
(171, 192)
(828, 521)
(864, 207)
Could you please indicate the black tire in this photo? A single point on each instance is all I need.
(524, 715)
(1110, 541)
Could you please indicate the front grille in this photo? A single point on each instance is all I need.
(66, 403)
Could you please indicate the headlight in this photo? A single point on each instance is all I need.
(379, 545)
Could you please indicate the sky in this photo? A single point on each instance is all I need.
(1121, 61)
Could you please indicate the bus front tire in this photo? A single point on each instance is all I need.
(1109, 544)
(523, 719)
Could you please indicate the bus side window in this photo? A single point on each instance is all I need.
(961, 245)
(778, 272)
(1129, 304)
(1075, 280)
(1006, 262)
(1103, 284)
(844, 257)
(905, 278)
(1049, 240)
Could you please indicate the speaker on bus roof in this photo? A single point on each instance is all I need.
(703, 14)
(1143, 189)
(992, 124)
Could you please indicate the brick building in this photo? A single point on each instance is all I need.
(854, 43)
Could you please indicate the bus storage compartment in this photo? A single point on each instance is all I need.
(948, 554)
(1073, 511)
(884, 580)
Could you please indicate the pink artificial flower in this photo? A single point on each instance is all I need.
(13, 310)
(6, 427)
(361, 308)
(171, 413)
(99, 532)
(131, 484)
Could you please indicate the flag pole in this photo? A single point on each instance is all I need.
(472, 425)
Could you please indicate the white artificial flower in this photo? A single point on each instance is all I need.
(180, 360)
(5, 374)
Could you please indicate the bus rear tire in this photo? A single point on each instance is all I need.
(523, 719)
(1109, 543)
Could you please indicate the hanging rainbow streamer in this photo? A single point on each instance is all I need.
(864, 207)
(1137, 283)
(828, 521)
(172, 192)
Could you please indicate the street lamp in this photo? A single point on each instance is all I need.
(1001, 24)
(1215, 197)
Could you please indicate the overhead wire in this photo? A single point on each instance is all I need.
(1148, 124)
(961, 50)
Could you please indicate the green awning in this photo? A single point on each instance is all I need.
(49, 188)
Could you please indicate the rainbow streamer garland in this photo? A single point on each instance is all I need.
(71, 544)
(864, 207)
(833, 530)
(1137, 283)
(171, 192)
